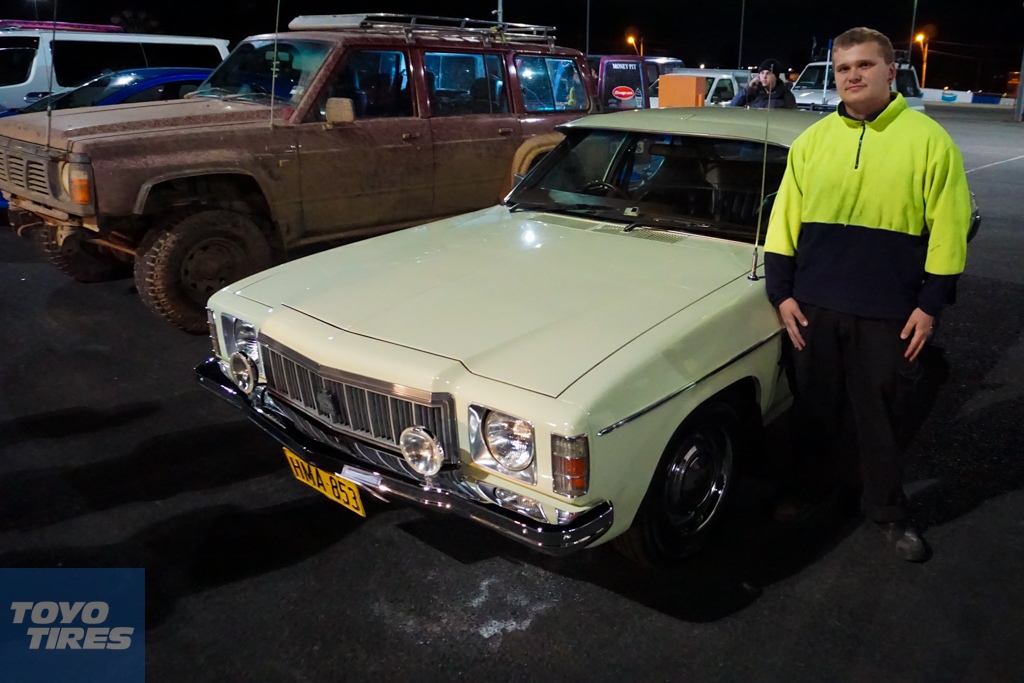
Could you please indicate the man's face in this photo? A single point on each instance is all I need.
(768, 79)
(862, 76)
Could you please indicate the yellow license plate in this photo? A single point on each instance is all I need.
(335, 488)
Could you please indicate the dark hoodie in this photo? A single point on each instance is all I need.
(757, 95)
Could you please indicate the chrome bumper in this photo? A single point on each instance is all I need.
(549, 538)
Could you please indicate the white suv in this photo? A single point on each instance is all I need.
(812, 95)
(83, 51)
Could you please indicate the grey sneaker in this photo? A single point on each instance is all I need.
(908, 543)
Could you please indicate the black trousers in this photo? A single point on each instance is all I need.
(851, 364)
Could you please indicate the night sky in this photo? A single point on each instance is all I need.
(697, 32)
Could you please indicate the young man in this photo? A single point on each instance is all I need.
(865, 242)
(766, 90)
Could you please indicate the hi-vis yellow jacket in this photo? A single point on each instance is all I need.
(872, 216)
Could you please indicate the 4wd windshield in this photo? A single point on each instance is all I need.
(86, 95)
(249, 71)
(814, 77)
(708, 186)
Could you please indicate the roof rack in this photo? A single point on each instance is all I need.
(418, 25)
(11, 24)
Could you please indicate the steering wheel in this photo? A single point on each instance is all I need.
(602, 185)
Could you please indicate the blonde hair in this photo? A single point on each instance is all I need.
(860, 35)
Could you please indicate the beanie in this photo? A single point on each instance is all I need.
(772, 65)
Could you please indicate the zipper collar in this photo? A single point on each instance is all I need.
(879, 120)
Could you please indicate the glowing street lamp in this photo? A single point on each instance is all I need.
(921, 38)
(632, 41)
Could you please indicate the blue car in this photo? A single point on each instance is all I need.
(122, 87)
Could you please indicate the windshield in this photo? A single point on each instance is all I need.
(700, 185)
(16, 57)
(248, 72)
(814, 76)
(87, 95)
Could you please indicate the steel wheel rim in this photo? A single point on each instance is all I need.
(697, 480)
(210, 265)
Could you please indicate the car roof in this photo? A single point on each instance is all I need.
(160, 72)
(784, 125)
(358, 36)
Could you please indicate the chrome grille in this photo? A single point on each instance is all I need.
(362, 407)
(3, 167)
(16, 171)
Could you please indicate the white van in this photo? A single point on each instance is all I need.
(722, 85)
(83, 51)
(811, 94)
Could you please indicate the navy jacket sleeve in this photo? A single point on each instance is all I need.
(779, 271)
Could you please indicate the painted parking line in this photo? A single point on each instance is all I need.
(995, 163)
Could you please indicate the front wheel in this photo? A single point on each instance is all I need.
(685, 498)
(182, 262)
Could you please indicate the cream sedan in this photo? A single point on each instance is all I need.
(584, 363)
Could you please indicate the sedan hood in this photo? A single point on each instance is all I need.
(529, 299)
(70, 125)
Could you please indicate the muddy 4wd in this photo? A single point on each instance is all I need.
(345, 126)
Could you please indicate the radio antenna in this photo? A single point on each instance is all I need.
(764, 171)
(49, 95)
(273, 67)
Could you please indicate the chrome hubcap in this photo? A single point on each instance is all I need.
(697, 480)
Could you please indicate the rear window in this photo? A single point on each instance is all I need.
(16, 57)
(551, 84)
(171, 54)
(622, 88)
(75, 62)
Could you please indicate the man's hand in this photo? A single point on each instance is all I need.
(919, 325)
(793, 319)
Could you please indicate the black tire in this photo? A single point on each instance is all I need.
(685, 498)
(82, 260)
(183, 261)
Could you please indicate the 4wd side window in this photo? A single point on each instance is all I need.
(551, 84)
(459, 84)
(376, 81)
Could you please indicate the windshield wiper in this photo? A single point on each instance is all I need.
(555, 207)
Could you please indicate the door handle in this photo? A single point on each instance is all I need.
(34, 96)
(410, 136)
(504, 131)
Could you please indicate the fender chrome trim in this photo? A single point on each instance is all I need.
(657, 404)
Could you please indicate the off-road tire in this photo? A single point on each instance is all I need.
(657, 537)
(82, 260)
(188, 257)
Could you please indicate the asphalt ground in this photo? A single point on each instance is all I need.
(112, 456)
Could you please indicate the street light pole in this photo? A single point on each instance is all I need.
(743, 15)
(1018, 109)
(924, 50)
(587, 51)
(500, 12)
(913, 21)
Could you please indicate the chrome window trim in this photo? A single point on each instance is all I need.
(657, 404)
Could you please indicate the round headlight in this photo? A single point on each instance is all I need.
(245, 338)
(510, 440)
(243, 372)
(421, 450)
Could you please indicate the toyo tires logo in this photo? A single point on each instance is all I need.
(73, 625)
(89, 635)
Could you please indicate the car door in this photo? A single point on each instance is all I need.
(474, 130)
(377, 172)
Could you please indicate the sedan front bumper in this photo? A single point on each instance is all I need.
(555, 539)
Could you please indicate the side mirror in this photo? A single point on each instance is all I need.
(340, 110)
